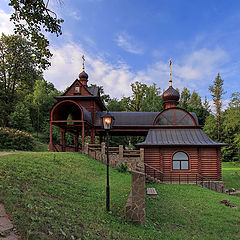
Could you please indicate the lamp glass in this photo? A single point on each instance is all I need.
(107, 122)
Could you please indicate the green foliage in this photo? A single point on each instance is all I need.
(30, 19)
(123, 168)
(15, 139)
(217, 91)
(114, 105)
(18, 72)
(231, 129)
(184, 98)
(210, 127)
(144, 99)
(20, 118)
(152, 101)
(47, 192)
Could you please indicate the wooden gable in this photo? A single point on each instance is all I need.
(77, 89)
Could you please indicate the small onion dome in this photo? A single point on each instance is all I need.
(170, 95)
(83, 75)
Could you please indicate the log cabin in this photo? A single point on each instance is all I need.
(175, 145)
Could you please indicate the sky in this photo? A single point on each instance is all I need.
(126, 41)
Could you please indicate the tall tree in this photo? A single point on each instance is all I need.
(20, 118)
(18, 70)
(185, 98)
(139, 92)
(217, 92)
(152, 101)
(31, 19)
(195, 100)
(231, 129)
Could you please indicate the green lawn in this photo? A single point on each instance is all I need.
(62, 196)
(231, 174)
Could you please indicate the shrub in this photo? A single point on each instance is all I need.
(15, 139)
(122, 168)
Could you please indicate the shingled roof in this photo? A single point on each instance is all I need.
(129, 118)
(178, 137)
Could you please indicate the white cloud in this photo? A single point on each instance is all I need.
(194, 72)
(6, 26)
(67, 64)
(128, 43)
(225, 104)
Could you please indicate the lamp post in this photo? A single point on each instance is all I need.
(107, 121)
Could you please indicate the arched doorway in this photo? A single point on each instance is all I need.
(70, 117)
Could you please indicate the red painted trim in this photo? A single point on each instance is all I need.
(176, 108)
(64, 101)
(168, 120)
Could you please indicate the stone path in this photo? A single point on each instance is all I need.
(6, 227)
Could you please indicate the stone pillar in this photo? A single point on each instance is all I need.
(103, 148)
(140, 163)
(135, 207)
(142, 155)
(85, 151)
(120, 152)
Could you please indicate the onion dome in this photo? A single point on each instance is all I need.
(171, 95)
(83, 74)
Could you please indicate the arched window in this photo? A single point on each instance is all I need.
(175, 117)
(180, 161)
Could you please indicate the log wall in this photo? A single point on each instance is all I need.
(205, 161)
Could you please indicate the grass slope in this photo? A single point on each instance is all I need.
(231, 174)
(62, 196)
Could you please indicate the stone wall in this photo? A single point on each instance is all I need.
(217, 186)
(135, 206)
(115, 157)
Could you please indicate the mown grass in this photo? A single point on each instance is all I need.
(231, 174)
(62, 196)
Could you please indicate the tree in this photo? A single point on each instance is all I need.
(185, 98)
(206, 105)
(216, 92)
(114, 105)
(20, 118)
(210, 127)
(139, 92)
(18, 71)
(231, 129)
(152, 101)
(105, 97)
(195, 100)
(31, 18)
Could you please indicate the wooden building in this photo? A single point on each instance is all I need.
(175, 145)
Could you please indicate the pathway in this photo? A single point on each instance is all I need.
(6, 227)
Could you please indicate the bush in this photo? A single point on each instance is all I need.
(15, 139)
(122, 168)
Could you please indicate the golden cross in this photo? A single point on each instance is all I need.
(170, 81)
(83, 62)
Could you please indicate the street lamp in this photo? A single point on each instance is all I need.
(107, 121)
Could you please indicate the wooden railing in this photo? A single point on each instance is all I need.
(131, 153)
(114, 150)
(60, 148)
(179, 178)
